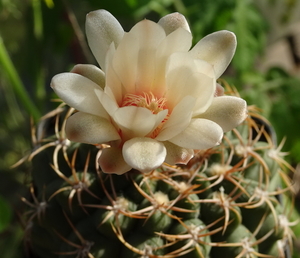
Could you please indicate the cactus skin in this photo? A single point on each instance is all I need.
(223, 203)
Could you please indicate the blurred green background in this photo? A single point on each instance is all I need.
(40, 38)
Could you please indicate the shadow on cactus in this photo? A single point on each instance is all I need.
(164, 170)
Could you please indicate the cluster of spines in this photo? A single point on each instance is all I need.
(224, 202)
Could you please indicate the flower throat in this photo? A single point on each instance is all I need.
(146, 100)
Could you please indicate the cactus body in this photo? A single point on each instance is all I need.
(223, 203)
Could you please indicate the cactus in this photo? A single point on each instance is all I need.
(118, 196)
(226, 202)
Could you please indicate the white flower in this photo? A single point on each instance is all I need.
(153, 99)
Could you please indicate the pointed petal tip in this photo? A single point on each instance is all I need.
(230, 37)
(102, 29)
(59, 81)
(74, 89)
(217, 48)
(173, 21)
(91, 72)
(228, 33)
(226, 36)
(98, 12)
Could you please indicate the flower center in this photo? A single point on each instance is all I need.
(149, 101)
(146, 100)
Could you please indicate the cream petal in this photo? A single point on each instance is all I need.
(200, 134)
(102, 28)
(187, 64)
(110, 54)
(149, 36)
(91, 72)
(178, 41)
(217, 48)
(78, 92)
(144, 154)
(135, 61)
(185, 77)
(177, 155)
(226, 111)
(87, 128)
(113, 87)
(159, 118)
(180, 61)
(111, 161)
(137, 121)
(108, 103)
(205, 93)
(178, 120)
(198, 85)
(204, 67)
(173, 21)
(125, 61)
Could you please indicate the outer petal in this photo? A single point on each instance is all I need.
(200, 134)
(173, 21)
(87, 128)
(137, 121)
(227, 111)
(112, 161)
(144, 154)
(102, 28)
(78, 92)
(217, 48)
(177, 155)
(91, 72)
